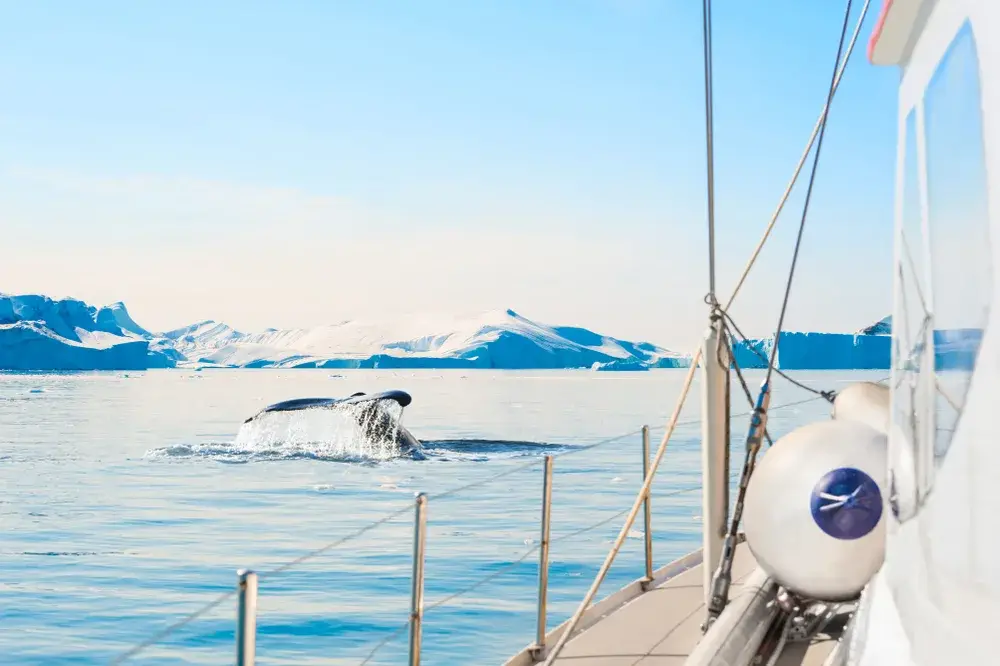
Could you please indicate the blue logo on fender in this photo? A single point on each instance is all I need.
(846, 503)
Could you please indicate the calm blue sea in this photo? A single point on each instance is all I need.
(128, 500)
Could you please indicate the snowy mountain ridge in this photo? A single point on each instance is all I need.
(37, 332)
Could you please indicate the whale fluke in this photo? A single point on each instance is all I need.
(402, 398)
(375, 421)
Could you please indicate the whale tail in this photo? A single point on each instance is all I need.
(402, 398)
(369, 410)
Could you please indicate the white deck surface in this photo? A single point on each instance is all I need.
(662, 626)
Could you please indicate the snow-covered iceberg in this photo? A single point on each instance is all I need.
(38, 333)
(497, 339)
(881, 327)
(868, 349)
(817, 351)
(954, 348)
(620, 365)
(957, 349)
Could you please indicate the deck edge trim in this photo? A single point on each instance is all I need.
(612, 603)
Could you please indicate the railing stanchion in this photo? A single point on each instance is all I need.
(246, 618)
(538, 650)
(417, 596)
(647, 512)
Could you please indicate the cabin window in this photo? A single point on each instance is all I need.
(911, 326)
(958, 229)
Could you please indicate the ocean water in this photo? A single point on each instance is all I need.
(129, 500)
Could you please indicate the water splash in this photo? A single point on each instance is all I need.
(350, 433)
(364, 433)
(343, 433)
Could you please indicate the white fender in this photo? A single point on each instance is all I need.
(815, 511)
(866, 402)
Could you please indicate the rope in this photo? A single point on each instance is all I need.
(721, 580)
(798, 168)
(706, 13)
(671, 425)
(697, 353)
(633, 512)
(809, 190)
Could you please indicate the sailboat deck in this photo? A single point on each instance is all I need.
(662, 626)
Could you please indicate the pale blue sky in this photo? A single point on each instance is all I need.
(296, 163)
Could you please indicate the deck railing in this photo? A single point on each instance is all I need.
(247, 586)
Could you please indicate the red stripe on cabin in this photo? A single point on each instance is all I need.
(886, 6)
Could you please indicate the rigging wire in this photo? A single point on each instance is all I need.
(731, 362)
(829, 396)
(672, 423)
(809, 190)
(333, 544)
(532, 463)
(167, 631)
(533, 549)
(510, 566)
(722, 579)
(385, 641)
(706, 13)
(798, 167)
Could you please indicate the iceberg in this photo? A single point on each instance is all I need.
(954, 348)
(881, 327)
(116, 316)
(493, 340)
(818, 351)
(957, 349)
(619, 365)
(868, 349)
(39, 333)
